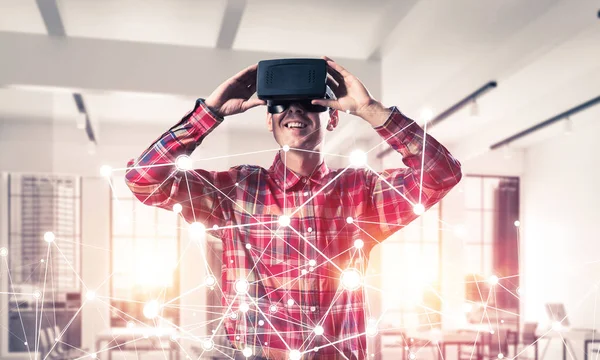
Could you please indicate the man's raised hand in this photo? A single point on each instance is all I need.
(233, 96)
(351, 94)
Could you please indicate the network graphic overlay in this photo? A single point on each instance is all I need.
(203, 335)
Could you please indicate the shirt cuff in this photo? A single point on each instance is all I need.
(203, 118)
(395, 129)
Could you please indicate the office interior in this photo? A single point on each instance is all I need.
(506, 266)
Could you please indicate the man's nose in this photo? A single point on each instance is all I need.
(295, 107)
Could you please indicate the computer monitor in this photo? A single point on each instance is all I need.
(557, 313)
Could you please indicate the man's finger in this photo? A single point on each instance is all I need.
(245, 74)
(335, 74)
(339, 68)
(327, 103)
(252, 103)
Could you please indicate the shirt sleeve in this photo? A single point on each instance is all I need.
(155, 180)
(395, 192)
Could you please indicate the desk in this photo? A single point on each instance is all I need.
(443, 339)
(121, 336)
(587, 336)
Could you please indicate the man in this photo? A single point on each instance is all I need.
(297, 236)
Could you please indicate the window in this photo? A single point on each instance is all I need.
(144, 261)
(411, 259)
(37, 204)
(491, 247)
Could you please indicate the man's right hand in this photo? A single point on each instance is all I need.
(233, 96)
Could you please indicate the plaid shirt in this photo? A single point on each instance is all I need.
(295, 271)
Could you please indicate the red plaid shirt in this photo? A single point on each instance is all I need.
(294, 271)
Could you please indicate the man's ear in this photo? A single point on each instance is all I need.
(333, 119)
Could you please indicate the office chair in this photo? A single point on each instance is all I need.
(489, 346)
(523, 346)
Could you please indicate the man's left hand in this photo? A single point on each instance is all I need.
(352, 95)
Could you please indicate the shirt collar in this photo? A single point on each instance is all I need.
(287, 181)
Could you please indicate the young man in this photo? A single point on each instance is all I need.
(296, 236)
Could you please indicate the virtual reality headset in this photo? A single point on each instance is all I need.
(283, 82)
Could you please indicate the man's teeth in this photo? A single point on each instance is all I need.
(295, 125)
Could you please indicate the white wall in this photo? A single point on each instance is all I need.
(560, 226)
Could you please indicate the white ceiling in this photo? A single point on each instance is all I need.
(544, 54)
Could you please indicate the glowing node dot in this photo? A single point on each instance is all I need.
(501, 356)
(242, 286)
(273, 308)
(467, 307)
(237, 184)
(3, 251)
(426, 115)
(261, 322)
(312, 262)
(286, 148)
(311, 269)
(247, 352)
(412, 356)
(319, 330)
(290, 302)
(210, 280)
(177, 208)
(196, 229)
(460, 231)
(304, 272)
(358, 158)
(215, 227)
(359, 244)
(130, 324)
(501, 321)
(418, 209)
(90, 295)
(105, 170)
(183, 163)
(208, 344)
(233, 316)
(313, 308)
(493, 280)
(309, 229)
(351, 279)
(42, 261)
(371, 330)
(248, 246)
(94, 356)
(517, 223)
(25, 343)
(295, 355)
(284, 220)
(492, 332)
(349, 220)
(37, 294)
(151, 309)
(49, 237)
(244, 307)
(557, 326)
(237, 337)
